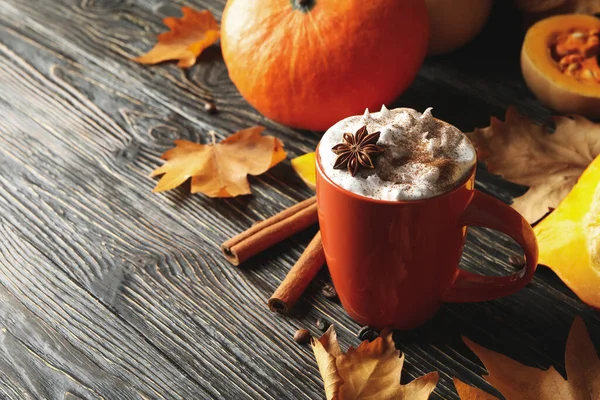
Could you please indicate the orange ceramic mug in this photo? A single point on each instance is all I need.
(393, 263)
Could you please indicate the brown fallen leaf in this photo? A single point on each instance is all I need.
(584, 6)
(326, 351)
(519, 382)
(529, 154)
(370, 371)
(538, 5)
(467, 392)
(220, 170)
(536, 10)
(188, 37)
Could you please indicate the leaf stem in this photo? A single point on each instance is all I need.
(213, 136)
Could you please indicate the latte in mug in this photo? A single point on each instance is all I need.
(395, 198)
(414, 157)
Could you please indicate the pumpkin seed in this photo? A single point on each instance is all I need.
(586, 73)
(577, 34)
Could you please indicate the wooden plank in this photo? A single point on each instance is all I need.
(57, 338)
(103, 236)
(119, 291)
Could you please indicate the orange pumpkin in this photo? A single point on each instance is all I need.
(309, 63)
(559, 60)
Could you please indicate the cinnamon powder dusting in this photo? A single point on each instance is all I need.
(423, 157)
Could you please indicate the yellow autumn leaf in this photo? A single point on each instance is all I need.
(304, 166)
(370, 371)
(220, 169)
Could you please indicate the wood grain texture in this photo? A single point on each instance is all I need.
(110, 291)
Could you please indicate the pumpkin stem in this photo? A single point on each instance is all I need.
(303, 5)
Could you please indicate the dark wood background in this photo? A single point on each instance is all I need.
(110, 291)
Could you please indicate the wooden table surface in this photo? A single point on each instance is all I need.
(110, 291)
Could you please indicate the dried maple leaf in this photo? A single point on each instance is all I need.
(529, 154)
(539, 9)
(517, 381)
(538, 5)
(326, 351)
(584, 6)
(371, 371)
(467, 392)
(189, 36)
(220, 170)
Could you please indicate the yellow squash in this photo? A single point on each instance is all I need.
(569, 238)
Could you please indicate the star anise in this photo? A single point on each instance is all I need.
(357, 150)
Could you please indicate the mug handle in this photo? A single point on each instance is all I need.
(488, 212)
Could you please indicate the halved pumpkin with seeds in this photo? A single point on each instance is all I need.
(569, 238)
(559, 60)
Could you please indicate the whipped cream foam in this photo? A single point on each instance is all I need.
(422, 157)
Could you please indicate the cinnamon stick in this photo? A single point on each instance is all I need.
(265, 234)
(299, 277)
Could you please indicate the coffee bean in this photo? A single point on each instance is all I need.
(516, 261)
(329, 291)
(367, 333)
(322, 324)
(302, 336)
(210, 108)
